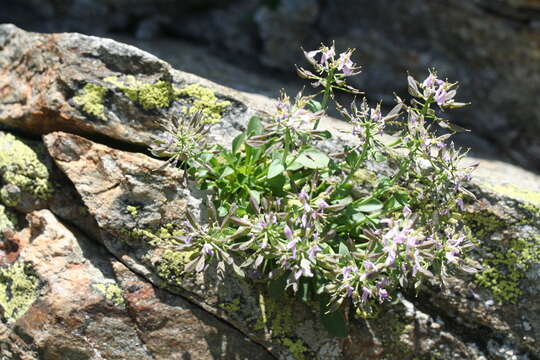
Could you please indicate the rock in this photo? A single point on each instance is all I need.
(72, 78)
(117, 288)
(461, 39)
(284, 27)
(67, 301)
(74, 301)
(29, 181)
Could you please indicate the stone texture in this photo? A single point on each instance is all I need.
(59, 82)
(90, 306)
(123, 292)
(491, 47)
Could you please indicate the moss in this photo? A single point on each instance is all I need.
(18, 290)
(277, 318)
(196, 98)
(503, 271)
(91, 99)
(21, 167)
(8, 220)
(149, 96)
(112, 292)
(513, 191)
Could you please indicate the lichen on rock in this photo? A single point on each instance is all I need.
(516, 193)
(161, 94)
(8, 220)
(18, 290)
(149, 96)
(90, 98)
(277, 320)
(197, 98)
(112, 292)
(503, 271)
(21, 171)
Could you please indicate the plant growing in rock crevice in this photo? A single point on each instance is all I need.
(285, 212)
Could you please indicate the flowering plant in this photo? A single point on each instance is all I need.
(330, 227)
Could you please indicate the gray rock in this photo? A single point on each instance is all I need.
(135, 205)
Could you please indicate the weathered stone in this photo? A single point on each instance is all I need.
(62, 309)
(70, 305)
(173, 328)
(134, 205)
(97, 86)
(242, 305)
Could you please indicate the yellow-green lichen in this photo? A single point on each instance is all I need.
(91, 99)
(132, 210)
(503, 271)
(277, 320)
(21, 167)
(171, 266)
(8, 220)
(516, 193)
(196, 98)
(483, 222)
(149, 96)
(111, 291)
(18, 290)
(396, 336)
(154, 237)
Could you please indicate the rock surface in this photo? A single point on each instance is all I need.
(491, 47)
(83, 273)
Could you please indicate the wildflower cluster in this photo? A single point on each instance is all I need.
(285, 212)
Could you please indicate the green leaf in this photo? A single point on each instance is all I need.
(343, 249)
(325, 134)
(276, 168)
(351, 159)
(313, 159)
(304, 291)
(314, 105)
(293, 164)
(358, 217)
(256, 195)
(379, 157)
(222, 211)
(277, 184)
(238, 271)
(333, 322)
(369, 205)
(345, 201)
(237, 142)
(227, 171)
(255, 126)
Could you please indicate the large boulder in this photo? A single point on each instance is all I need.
(90, 278)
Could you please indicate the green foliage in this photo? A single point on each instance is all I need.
(285, 210)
